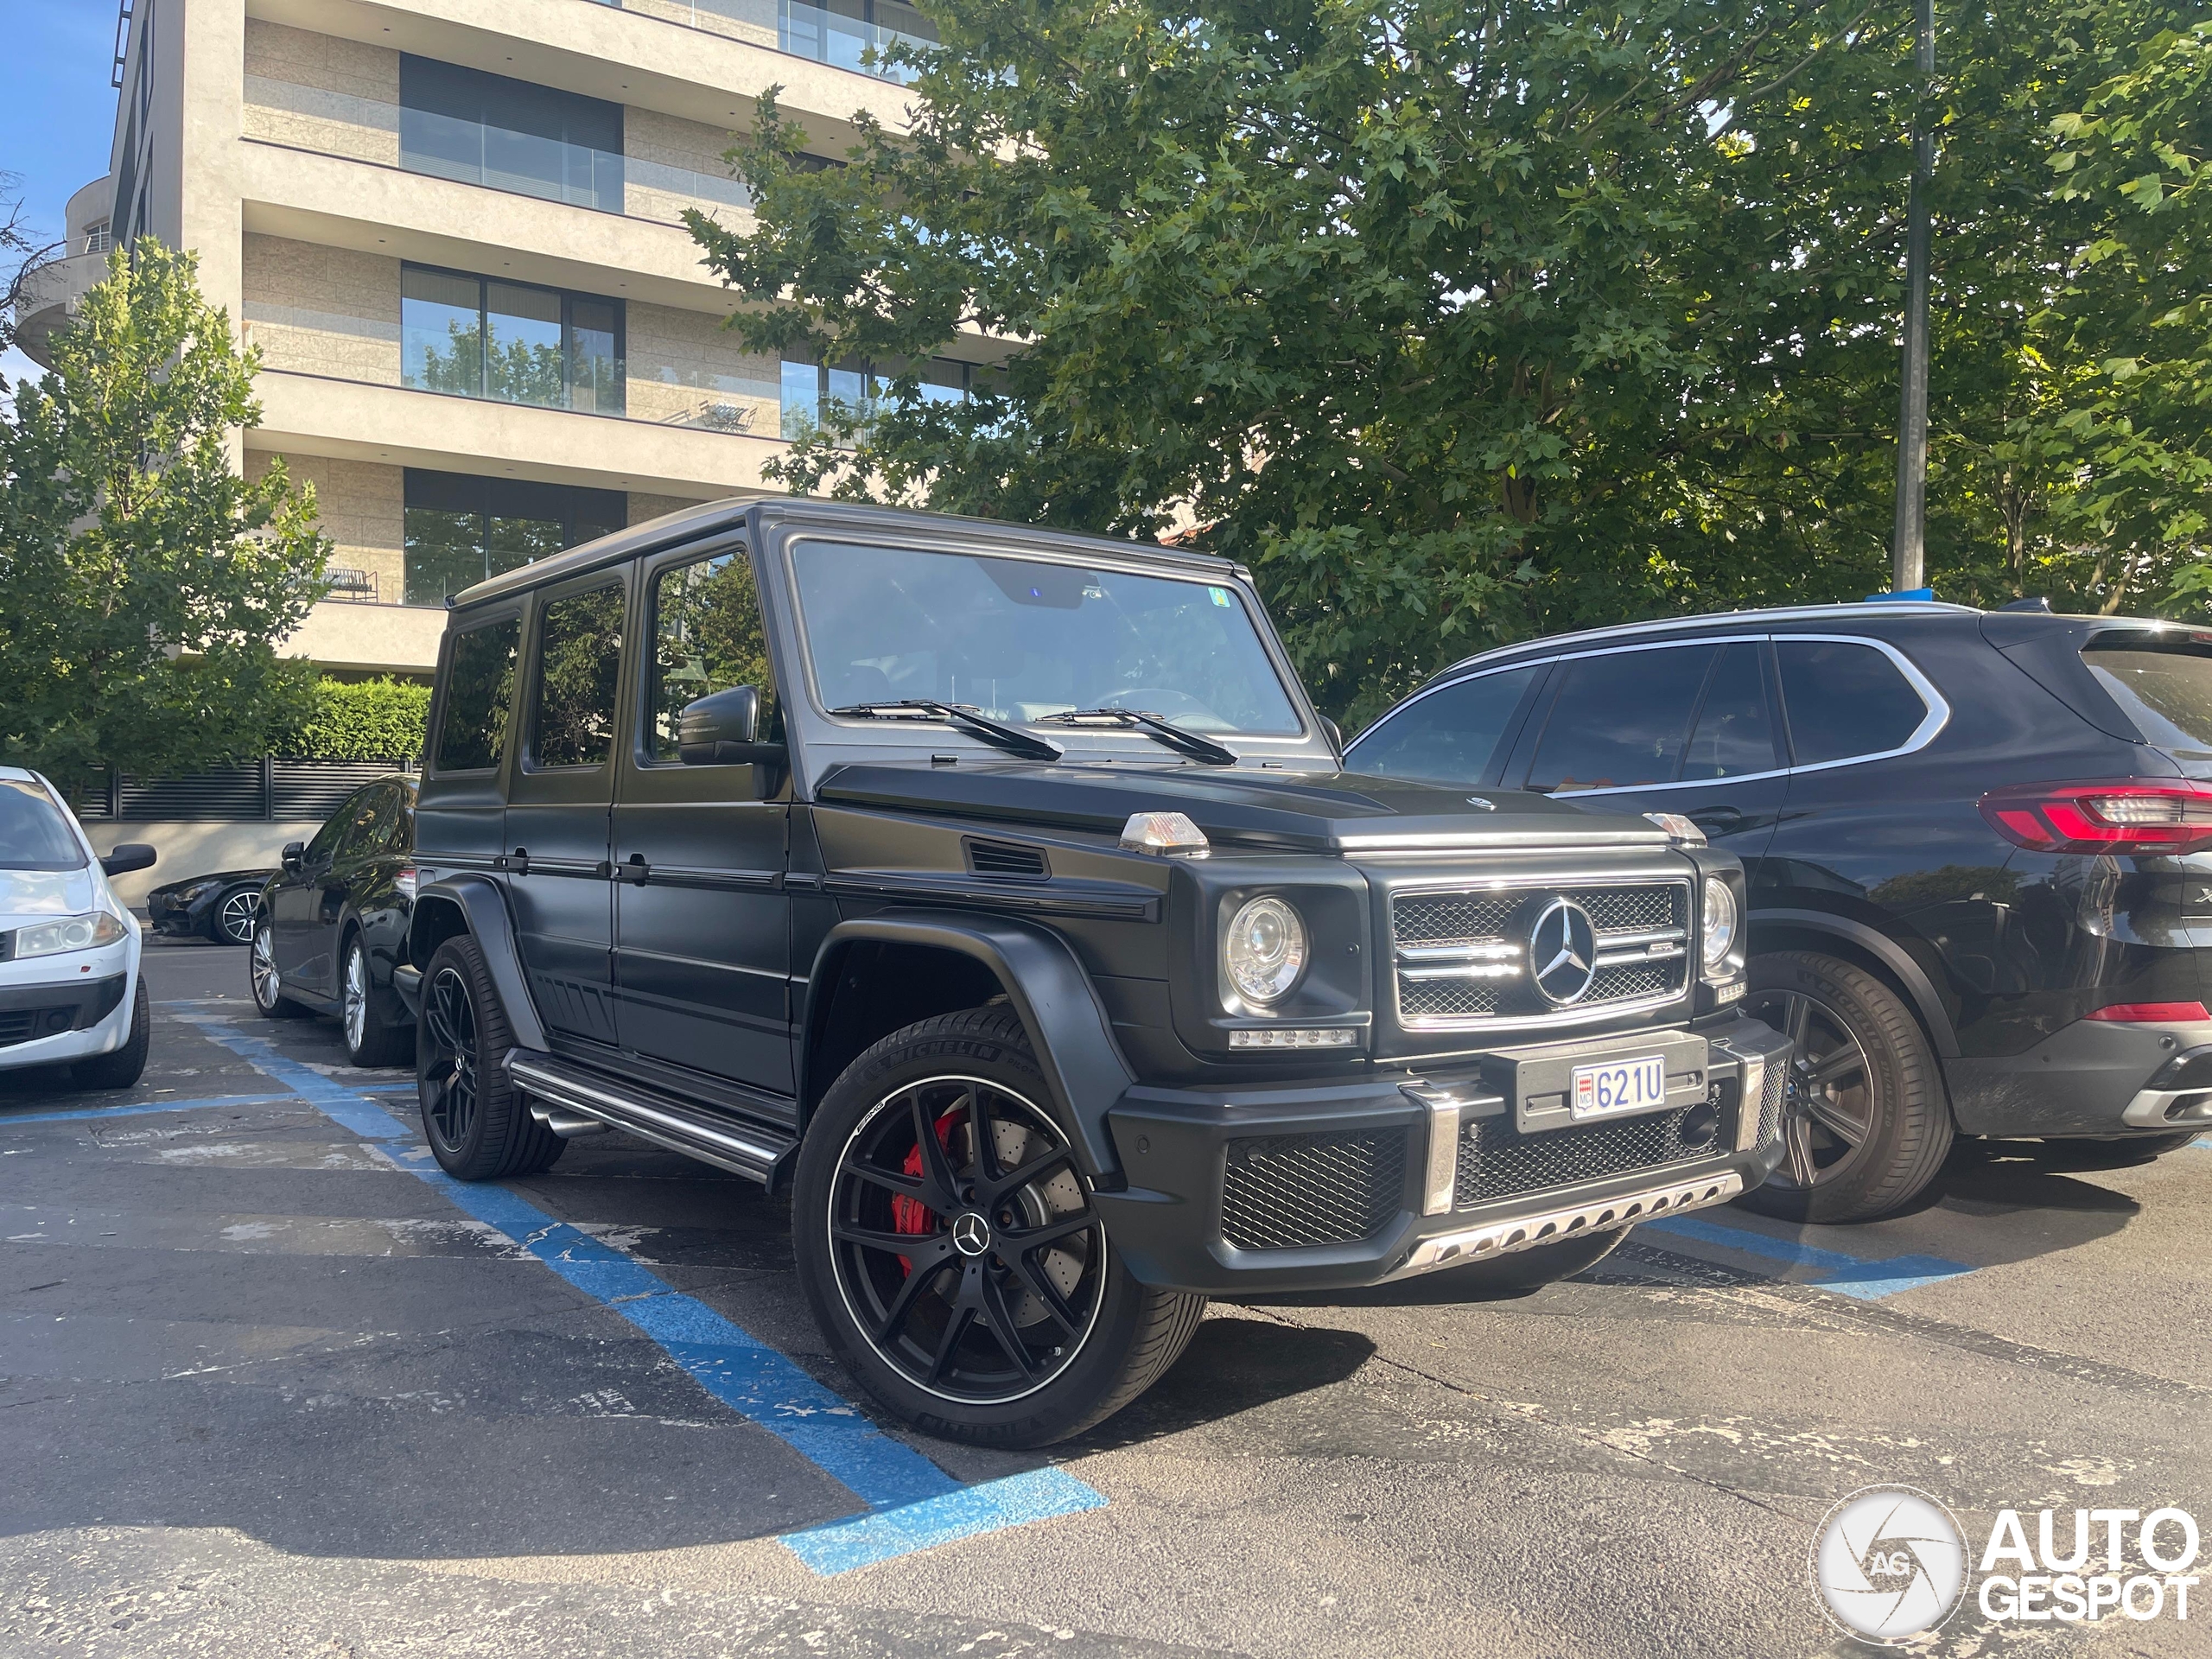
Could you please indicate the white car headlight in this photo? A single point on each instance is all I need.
(1263, 952)
(70, 933)
(1720, 932)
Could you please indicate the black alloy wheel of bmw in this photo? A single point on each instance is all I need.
(1827, 1104)
(963, 1241)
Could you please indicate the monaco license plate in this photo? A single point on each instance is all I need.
(1638, 1084)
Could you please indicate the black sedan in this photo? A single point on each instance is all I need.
(333, 923)
(222, 907)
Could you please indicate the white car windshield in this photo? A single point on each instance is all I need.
(1021, 640)
(34, 834)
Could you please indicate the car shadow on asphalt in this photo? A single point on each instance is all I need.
(1233, 1365)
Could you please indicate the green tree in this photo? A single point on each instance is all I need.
(1462, 322)
(144, 582)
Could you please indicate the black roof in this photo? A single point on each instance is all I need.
(851, 518)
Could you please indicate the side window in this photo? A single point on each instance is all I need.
(707, 637)
(479, 693)
(371, 821)
(1621, 719)
(338, 828)
(402, 838)
(1844, 700)
(579, 657)
(1450, 736)
(1734, 732)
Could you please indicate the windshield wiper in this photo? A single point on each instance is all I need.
(1026, 744)
(1175, 737)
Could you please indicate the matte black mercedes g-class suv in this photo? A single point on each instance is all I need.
(1000, 891)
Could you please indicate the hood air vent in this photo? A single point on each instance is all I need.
(1007, 859)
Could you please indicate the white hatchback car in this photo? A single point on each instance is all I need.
(70, 989)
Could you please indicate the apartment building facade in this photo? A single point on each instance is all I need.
(453, 229)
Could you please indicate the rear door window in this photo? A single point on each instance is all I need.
(1621, 720)
(579, 658)
(2166, 692)
(1449, 736)
(480, 695)
(1734, 734)
(1846, 700)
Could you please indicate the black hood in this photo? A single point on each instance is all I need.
(1305, 811)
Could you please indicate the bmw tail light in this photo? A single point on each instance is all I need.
(2127, 816)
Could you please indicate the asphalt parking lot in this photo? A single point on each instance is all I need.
(274, 1386)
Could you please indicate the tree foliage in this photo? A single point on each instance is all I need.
(1460, 322)
(144, 583)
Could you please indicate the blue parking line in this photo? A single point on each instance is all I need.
(1846, 1275)
(912, 1504)
(138, 1108)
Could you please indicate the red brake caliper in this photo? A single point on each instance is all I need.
(912, 1215)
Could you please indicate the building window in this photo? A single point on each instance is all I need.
(509, 134)
(461, 528)
(841, 31)
(97, 239)
(810, 388)
(509, 341)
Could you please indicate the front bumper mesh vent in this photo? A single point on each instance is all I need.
(1288, 1190)
(1461, 957)
(1497, 1162)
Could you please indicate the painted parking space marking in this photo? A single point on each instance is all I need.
(139, 1109)
(911, 1504)
(1846, 1275)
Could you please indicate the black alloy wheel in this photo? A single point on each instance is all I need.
(963, 1241)
(448, 1054)
(235, 916)
(1827, 1104)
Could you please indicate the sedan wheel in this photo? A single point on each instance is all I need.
(236, 916)
(268, 984)
(354, 998)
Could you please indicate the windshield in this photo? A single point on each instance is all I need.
(2168, 693)
(34, 836)
(1021, 640)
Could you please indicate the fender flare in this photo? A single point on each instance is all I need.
(1076, 1050)
(483, 907)
(1927, 1000)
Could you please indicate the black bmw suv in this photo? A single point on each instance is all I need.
(1979, 847)
(1001, 893)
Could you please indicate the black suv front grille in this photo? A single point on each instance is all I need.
(1497, 1162)
(1462, 956)
(1286, 1190)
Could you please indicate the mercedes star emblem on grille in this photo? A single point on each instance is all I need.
(1563, 951)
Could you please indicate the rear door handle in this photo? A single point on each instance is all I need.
(1722, 819)
(518, 861)
(635, 870)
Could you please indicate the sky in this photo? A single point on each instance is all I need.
(57, 110)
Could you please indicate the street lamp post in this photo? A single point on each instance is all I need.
(1909, 547)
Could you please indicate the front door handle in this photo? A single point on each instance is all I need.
(635, 870)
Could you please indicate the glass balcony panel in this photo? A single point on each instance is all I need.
(595, 377)
(522, 358)
(444, 553)
(442, 345)
(514, 541)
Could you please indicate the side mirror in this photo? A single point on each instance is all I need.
(291, 857)
(723, 731)
(129, 855)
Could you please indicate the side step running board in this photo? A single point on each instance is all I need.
(570, 1101)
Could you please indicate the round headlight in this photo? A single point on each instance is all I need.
(1264, 950)
(1719, 924)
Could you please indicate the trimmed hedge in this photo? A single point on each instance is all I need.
(364, 720)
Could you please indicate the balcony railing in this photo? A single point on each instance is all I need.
(498, 158)
(842, 37)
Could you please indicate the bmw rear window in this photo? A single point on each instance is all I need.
(2164, 685)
